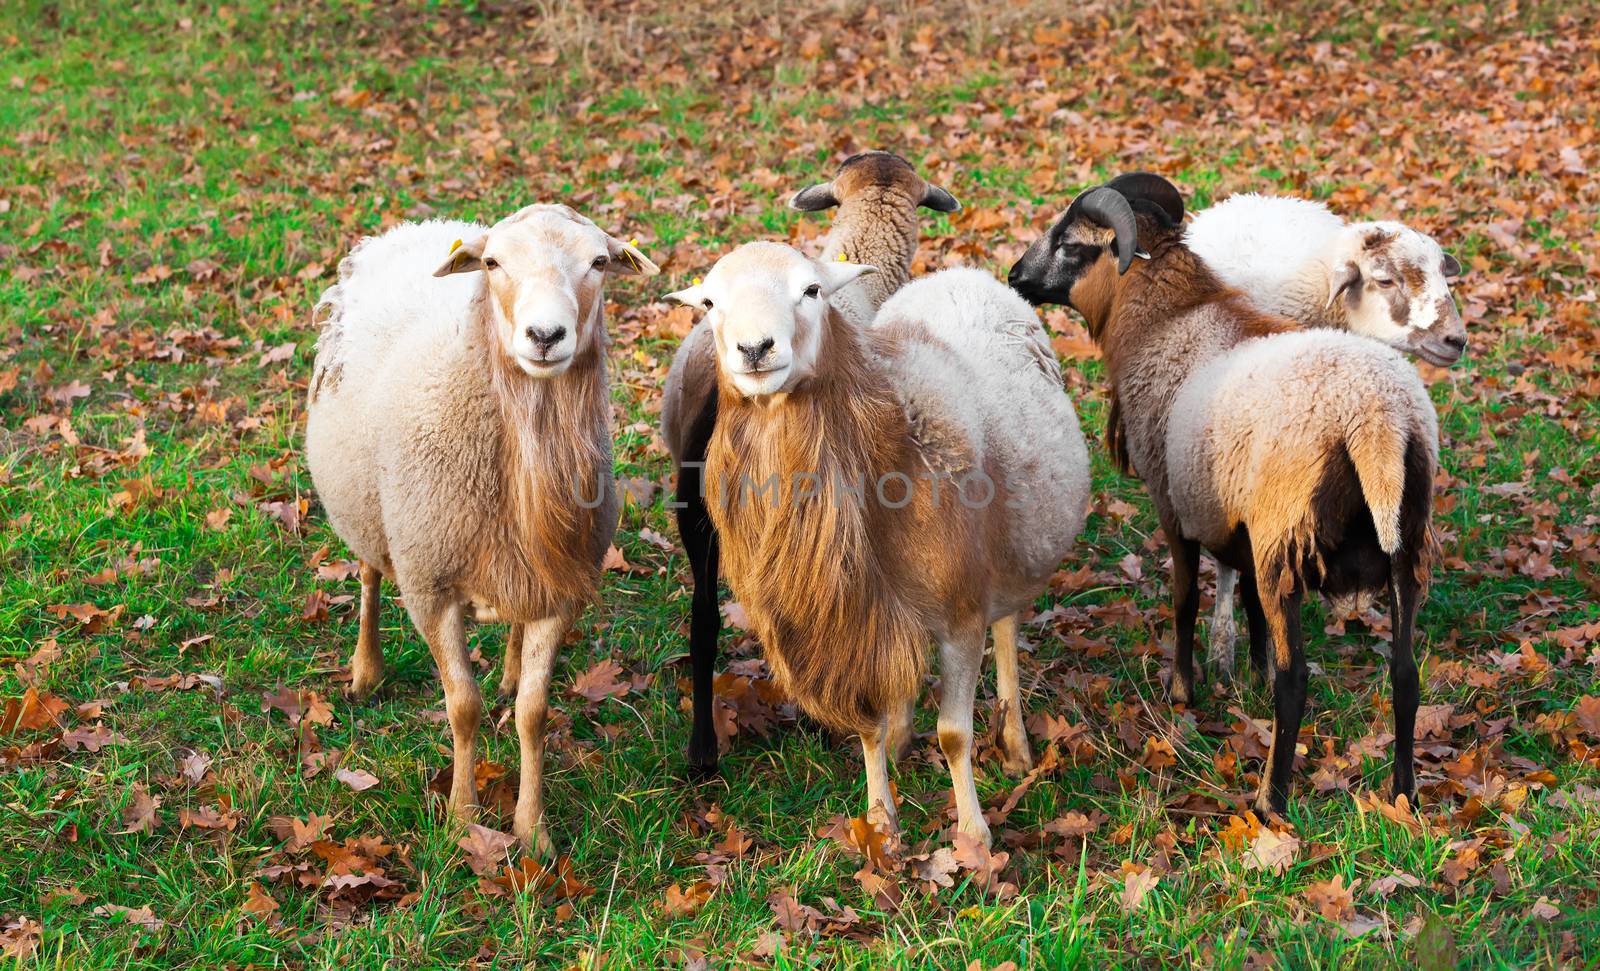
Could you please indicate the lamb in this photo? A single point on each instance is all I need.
(1293, 257)
(877, 194)
(1303, 459)
(875, 488)
(459, 439)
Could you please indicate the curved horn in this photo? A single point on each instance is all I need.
(1109, 208)
(1151, 188)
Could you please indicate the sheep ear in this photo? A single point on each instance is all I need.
(814, 198)
(627, 258)
(1341, 278)
(939, 200)
(1452, 267)
(688, 296)
(464, 257)
(835, 276)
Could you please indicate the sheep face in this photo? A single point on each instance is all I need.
(766, 304)
(544, 270)
(1394, 284)
(1072, 264)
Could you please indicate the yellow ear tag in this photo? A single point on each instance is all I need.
(455, 246)
(634, 242)
(841, 258)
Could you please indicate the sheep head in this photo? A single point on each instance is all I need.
(1077, 262)
(1392, 283)
(767, 304)
(872, 175)
(544, 270)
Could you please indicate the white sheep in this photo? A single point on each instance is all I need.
(1382, 280)
(1294, 257)
(459, 439)
(874, 489)
(1302, 458)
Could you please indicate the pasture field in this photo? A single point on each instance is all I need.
(182, 781)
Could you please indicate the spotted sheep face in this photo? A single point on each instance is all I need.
(766, 305)
(1394, 285)
(545, 269)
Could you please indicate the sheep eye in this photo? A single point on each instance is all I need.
(600, 262)
(706, 303)
(490, 263)
(1383, 283)
(815, 290)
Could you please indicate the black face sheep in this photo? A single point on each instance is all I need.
(877, 195)
(877, 488)
(459, 438)
(1303, 459)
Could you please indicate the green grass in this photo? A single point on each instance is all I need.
(264, 141)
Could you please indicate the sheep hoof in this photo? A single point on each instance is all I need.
(1179, 692)
(1015, 764)
(536, 841)
(978, 830)
(361, 690)
(702, 760)
(506, 690)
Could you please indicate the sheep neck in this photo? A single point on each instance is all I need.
(812, 564)
(553, 446)
(877, 228)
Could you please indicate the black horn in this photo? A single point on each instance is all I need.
(1148, 187)
(1109, 208)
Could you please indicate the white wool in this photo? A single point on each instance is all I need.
(1263, 244)
(988, 369)
(398, 296)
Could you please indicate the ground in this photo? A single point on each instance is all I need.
(183, 781)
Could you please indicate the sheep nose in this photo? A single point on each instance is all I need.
(546, 339)
(1457, 342)
(753, 353)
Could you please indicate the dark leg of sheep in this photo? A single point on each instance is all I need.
(1256, 624)
(1185, 608)
(511, 665)
(1403, 591)
(1288, 695)
(705, 621)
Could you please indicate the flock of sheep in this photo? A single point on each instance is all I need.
(876, 462)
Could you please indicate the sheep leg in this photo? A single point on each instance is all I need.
(960, 663)
(1256, 627)
(1403, 591)
(511, 665)
(900, 731)
(443, 626)
(1017, 760)
(705, 619)
(366, 664)
(880, 798)
(1288, 697)
(540, 643)
(1185, 609)
(1224, 632)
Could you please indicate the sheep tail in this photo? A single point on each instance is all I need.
(1378, 451)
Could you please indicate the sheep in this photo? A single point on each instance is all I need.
(877, 194)
(1302, 458)
(876, 488)
(459, 439)
(1294, 257)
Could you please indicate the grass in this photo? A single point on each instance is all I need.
(175, 188)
